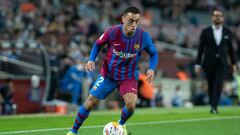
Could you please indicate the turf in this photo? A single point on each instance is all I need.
(158, 121)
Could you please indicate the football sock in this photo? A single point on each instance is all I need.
(125, 115)
(81, 116)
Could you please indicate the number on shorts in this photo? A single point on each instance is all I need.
(99, 81)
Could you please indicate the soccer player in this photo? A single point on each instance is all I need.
(119, 70)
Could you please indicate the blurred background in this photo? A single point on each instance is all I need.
(44, 45)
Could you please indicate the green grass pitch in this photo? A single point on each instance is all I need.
(158, 121)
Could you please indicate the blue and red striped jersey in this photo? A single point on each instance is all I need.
(123, 53)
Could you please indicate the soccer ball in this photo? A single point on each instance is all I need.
(113, 128)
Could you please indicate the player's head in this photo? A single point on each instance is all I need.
(217, 16)
(131, 19)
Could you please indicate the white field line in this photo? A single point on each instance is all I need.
(129, 124)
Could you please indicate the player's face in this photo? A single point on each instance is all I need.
(217, 18)
(130, 23)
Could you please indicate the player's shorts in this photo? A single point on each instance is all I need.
(104, 86)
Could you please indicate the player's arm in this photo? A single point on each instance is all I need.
(150, 48)
(102, 40)
(91, 62)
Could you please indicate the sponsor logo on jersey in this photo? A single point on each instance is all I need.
(122, 54)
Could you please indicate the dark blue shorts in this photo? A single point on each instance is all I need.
(104, 86)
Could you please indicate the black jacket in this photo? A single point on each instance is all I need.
(208, 51)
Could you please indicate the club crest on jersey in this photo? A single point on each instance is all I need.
(136, 46)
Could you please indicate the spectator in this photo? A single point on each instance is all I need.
(35, 90)
(177, 99)
(181, 73)
(72, 82)
(6, 94)
(201, 96)
(225, 99)
(159, 96)
(55, 64)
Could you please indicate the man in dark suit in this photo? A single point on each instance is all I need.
(214, 48)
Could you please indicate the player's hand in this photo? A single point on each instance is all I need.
(90, 66)
(150, 75)
(197, 69)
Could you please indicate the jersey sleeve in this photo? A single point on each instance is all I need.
(94, 52)
(104, 38)
(150, 48)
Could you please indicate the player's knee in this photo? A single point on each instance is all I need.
(130, 107)
(90, 103)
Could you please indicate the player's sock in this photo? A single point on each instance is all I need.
(125, 115)
(81, 116)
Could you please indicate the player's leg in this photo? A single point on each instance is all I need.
(83, 112)
(129, 108)
(101, 88)
(128, 89)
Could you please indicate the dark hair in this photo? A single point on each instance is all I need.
(216, 9)
(134, 10)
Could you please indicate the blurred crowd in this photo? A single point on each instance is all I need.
(68, 28)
